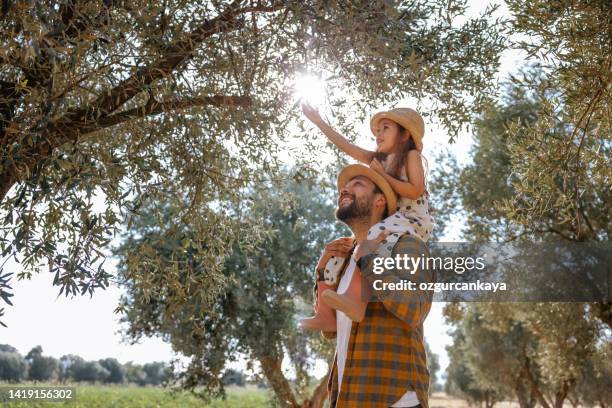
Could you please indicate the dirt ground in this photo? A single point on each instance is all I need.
(441, 400)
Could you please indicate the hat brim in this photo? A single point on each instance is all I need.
(354, 170)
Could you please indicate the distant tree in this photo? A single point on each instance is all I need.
(13, 367)
(493, 179)
(8, 348)
(135, 374)
(271, 283)
(461, 381)
(433, 364)
(594, 387)
(41, 368)
(233, 377)
(35, 352)
(90, 371)
(68, 365)
(115, 369)
(156, 373)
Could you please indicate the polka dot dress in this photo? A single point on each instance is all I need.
(412, 217)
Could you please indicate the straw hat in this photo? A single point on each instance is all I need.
(354, 170)
(408, 118)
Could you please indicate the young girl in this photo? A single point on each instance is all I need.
(399, 133)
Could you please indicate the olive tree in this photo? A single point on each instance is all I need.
(107, 106)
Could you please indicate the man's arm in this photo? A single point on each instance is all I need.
(410, 306)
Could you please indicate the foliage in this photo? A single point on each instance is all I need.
(255, 315)
(460, 381)
(234, 377)
(540, 169)
(561, 160)
(563, 335)
(41, 368)
(90, 371)
(108, 106)
(115, 369)
(13, 367)
(135, 374)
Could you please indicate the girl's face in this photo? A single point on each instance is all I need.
(388, 136)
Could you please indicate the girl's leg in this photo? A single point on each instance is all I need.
(325, 317)
(350, 302)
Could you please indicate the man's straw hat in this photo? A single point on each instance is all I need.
(408, 118)
(354, 170)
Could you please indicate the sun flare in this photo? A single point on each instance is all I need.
(310, 88)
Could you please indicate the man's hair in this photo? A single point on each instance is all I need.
(377, 190)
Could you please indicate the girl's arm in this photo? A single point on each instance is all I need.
(342, 143)
(413, 188)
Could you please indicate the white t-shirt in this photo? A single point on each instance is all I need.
(343, 327)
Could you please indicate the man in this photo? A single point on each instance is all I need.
(379, 361)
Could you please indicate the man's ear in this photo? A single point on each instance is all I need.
(380, 201)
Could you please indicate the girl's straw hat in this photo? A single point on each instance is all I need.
(354, 170)
(408, 118)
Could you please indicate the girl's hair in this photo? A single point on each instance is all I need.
(402, 156)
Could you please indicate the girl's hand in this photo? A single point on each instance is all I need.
(377, 166)
(339, 247)
(311, 113)
(370, 245)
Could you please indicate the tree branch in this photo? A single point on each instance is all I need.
(174, 56)
(155, 108)
(317, 400)
(66, 128)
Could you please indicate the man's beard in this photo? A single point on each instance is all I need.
(357, 209)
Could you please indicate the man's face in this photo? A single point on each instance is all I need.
(355, 199)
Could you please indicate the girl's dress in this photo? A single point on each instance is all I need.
(412, 217)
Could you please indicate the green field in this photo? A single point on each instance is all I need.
(98, 396)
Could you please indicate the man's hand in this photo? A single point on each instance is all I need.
(369, 245)
(339, 247)
(377, 166)
(312, 114)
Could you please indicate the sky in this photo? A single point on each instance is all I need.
(88, 327)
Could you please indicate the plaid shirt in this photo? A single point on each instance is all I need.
(386, 353)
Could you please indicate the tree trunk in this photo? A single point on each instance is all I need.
(574, 401)
(604, 312)
(561, 394)
(272, 369)
(525, 398)
(533, 385)
(318, 396)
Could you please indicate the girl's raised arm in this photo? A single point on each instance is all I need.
(342, 143)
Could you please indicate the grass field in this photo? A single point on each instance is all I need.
(98, 396)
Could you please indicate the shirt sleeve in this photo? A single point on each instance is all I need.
(409, 305)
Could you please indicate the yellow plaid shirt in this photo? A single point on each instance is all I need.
(386, 353)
